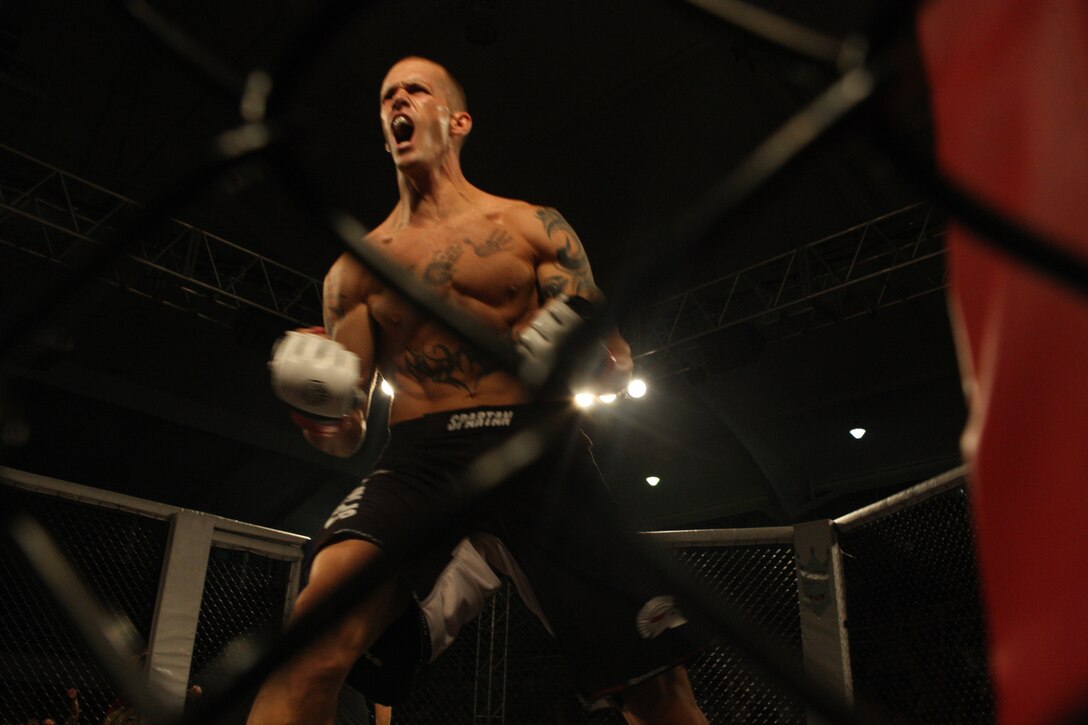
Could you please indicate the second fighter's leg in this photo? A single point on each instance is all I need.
(665, 698)
(305, 689)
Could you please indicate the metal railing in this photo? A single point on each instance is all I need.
(181, 584)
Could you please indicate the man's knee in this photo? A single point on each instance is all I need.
(334, 653)
(337, 563)
(664, 698)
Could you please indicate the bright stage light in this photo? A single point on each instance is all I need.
(585, 400)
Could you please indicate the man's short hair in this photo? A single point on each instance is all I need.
(454, 91)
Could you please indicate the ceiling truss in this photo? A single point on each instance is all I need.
(886, 261)
(51, 214)
(54, 215)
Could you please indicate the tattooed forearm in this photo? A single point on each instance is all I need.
(495, 242)
(553, 286)
(462, 368)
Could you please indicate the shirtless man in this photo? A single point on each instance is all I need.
(512, 265)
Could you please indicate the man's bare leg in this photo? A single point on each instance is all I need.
(666, 699)
(304, 691)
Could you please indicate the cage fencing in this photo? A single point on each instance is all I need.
(244, 597)
(917, 634)
(119, 556)
(913, 627)
(133, 554)
(760, 579)
(505, 667)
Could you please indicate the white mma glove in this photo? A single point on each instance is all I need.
(316, 375)
(540, 340)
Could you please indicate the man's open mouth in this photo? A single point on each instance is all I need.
(402, 128)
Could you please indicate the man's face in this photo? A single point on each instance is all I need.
(415, 112)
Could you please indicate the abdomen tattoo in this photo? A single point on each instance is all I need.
(453, 365)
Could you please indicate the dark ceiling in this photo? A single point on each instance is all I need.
(617, 113)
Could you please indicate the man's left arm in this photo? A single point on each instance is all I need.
(563, 271)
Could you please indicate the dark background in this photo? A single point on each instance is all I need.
(617, 113)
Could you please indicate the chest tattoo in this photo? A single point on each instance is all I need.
(439, 270)
(496, 241)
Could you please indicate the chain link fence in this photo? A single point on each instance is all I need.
(760, 581)
(243, 598)
(917, 634)
(506, 668)
(914, 621)
(121, 548)
(119, 556)
(503, 668)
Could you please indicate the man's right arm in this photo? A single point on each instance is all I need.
(563, 273)
(348, 322)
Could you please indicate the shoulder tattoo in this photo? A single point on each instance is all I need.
(570, 256)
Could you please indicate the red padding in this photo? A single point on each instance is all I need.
(1009, 80)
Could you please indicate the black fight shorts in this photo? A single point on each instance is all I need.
(615, 624)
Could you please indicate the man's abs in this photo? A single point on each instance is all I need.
(432, 371)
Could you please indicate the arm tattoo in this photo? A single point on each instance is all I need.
(334, 312)
(495, 242)
(460, 367)
(570, 256)
(554, 286)
(335, 301)
(440, 269)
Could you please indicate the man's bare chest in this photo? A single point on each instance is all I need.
(480, 260)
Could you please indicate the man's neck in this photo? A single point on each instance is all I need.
(433, 196)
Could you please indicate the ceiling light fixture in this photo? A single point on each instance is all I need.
(636, 388)
(653, 480)
(857, 432)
